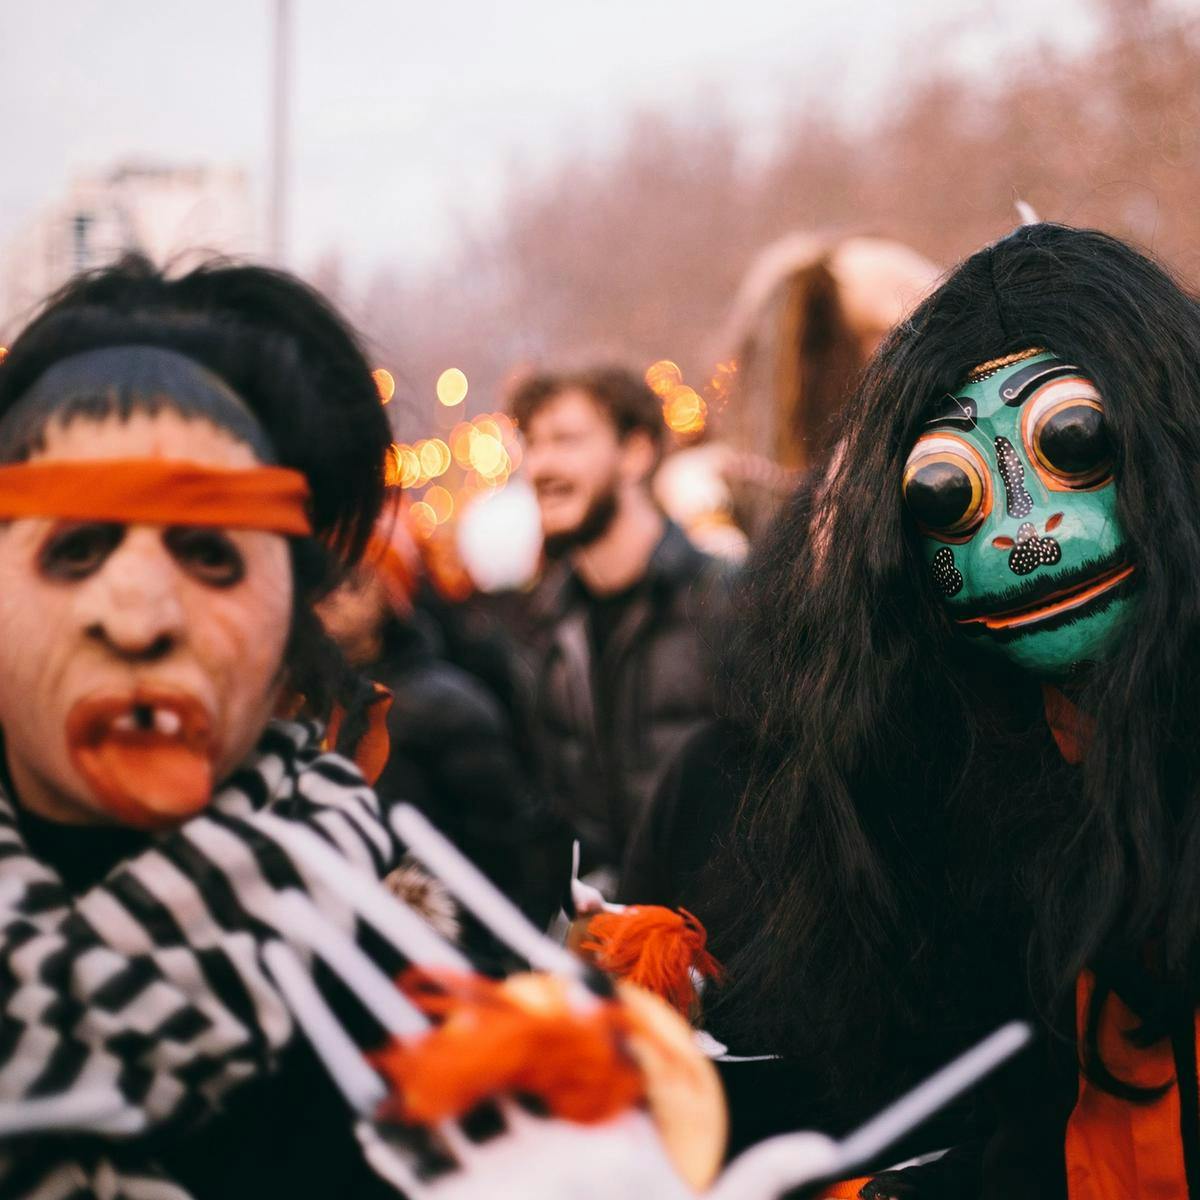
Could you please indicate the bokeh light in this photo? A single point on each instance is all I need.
(441, 502)
(477, 458)
(684, 410)
(435, 457)
(451, 387)
(663, 376)
(410, 467)
(392, 466)
(3, 353)
(489, 427)
(724, 373)
(720, 385)
(460, 443)
(403, 467)
(423, 518)
(488, 455)
(386, 384)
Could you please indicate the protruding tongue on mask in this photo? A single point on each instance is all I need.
(146, 756)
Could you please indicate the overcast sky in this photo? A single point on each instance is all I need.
(409, 117)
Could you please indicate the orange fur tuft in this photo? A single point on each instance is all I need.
(521, 1035)
(657, 948)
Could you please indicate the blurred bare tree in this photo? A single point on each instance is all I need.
(636, 255)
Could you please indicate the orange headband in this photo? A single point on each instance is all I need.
(151, 491)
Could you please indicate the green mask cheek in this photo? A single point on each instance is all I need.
(1012, 487)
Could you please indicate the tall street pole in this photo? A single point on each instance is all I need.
(281, 87)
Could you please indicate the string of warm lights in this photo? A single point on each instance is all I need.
(480, 454)
(441, 475)
(685, 410)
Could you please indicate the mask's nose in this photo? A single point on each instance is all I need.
(1032, 551)
(1017, 500)
(1027, 551)
(132, 605)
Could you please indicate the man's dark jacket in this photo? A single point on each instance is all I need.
(609, 728)
(453, 755)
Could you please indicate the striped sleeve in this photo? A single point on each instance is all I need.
(142, 1007)
(139, 1005)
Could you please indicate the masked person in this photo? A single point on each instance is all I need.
(184, 465)
(630, 615)
(965, 781)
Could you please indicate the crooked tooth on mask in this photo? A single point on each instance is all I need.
(167, 721)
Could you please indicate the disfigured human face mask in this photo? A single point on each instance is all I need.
(1011, 485)
(139, 660)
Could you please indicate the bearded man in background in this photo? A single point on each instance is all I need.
(628, 612)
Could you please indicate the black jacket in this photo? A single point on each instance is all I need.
(453, 755)
(608, 728)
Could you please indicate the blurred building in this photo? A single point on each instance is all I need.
(178, 215)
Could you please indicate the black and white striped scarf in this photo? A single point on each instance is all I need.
(137, 1007)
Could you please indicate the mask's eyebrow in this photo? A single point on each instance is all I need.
(957, 411)
(1015, 389)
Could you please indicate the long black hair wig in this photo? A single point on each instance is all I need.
(908, 821)
(310, 402)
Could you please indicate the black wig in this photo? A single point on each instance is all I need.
(293, 370)
(908, 821)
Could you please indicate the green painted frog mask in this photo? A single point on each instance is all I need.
(1011, 486)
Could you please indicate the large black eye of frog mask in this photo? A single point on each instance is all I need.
(947, 487)
(1065, 430)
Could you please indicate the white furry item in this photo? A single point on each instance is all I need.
(425, 895)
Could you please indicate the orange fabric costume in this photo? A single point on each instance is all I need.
(1116, 1148)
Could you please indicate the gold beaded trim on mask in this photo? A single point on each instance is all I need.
(995, 364)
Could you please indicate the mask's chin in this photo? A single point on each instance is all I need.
(1065, 652)
(145, 756)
